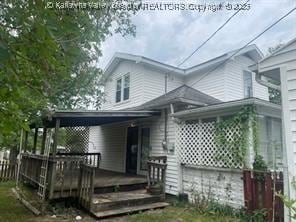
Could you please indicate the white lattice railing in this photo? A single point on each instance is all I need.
(196, 145)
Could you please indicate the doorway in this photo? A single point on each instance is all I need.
(132, 150)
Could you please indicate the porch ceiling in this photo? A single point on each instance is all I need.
(92, 118)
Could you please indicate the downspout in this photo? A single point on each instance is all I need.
(164, 142)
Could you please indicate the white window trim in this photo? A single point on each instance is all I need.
(243, 82)
(129, 86)
(122, 78)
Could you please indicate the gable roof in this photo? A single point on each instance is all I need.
(252, 51)
(279, 50)
(182, 94)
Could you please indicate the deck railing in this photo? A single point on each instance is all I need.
(7, 170)
(156, 173)
(61, 166)
(86, 185)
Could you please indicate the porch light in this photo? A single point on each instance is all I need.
(133, 125)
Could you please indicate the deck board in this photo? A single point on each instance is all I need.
(120, 196)
(128, 210)
(103, 178)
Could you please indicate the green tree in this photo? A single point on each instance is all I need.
(48, 58)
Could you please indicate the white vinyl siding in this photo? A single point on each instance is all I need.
(145, 84)
(285, 62)
(155, 84)
(289, 112)
(156, 126)
(288, 82)
(212, 83)
(135, 89)
(234, 88)
(110, 141)
(225, 83)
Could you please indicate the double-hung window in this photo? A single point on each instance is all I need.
(122, 88)
(118, 90)
(248, 84)
(126, 87)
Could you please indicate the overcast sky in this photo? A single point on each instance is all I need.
(170, 36)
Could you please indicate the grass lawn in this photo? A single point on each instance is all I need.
(177, 214)
(11, 210)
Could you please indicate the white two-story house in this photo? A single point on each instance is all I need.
(188, 100)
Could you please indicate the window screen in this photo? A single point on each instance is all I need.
(126, 88)
(118, 90)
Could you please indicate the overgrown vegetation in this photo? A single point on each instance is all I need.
(259, 167)
(238, 142)
(48, 59)
(13, 211)
(205, 202)
(290, 203)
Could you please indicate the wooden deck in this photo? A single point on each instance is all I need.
(104, 181)
(101, 192)
(103, 178)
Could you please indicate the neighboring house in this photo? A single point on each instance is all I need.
(280, 67)
(190, 101)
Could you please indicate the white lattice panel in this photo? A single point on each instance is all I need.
(197, 146)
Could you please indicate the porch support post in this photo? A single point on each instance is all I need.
(35, 140)
(56, 136)
(43, 140)
(250, 154)
(54, 162)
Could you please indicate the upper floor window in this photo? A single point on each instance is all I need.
(248, 84)
(122, 88)
(126, 87)
(118, 90)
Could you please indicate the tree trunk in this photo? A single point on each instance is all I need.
(13, 154)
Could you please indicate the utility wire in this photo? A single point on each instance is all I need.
(211, 36)
(237, 51)
(208, 39)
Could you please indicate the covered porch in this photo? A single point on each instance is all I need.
(67, 173)
(65, 167)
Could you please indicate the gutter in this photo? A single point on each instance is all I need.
(223, 105)
(266, 83)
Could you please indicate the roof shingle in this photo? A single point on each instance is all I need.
(184, 93)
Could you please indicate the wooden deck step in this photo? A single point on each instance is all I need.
(131, 209)
(115, 200)
(121, 187)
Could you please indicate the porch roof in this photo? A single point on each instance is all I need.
(69, 118)
(225, 108)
